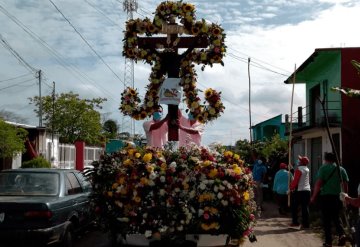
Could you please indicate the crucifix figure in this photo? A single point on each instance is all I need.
(171, 61)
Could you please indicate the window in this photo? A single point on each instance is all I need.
(72, 184)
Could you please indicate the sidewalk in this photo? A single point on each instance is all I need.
(272, 230)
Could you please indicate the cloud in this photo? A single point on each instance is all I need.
(275, 34)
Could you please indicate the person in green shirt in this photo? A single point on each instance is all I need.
(329, 185)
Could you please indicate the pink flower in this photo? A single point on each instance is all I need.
(252, 217)
(206, 216)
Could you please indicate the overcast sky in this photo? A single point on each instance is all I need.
(275, 34)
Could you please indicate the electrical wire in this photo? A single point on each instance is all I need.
(87, 43)
(14, 78)
(71, 68)
(14, 85)
(101, 12)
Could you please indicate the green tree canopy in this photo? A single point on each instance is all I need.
(11, 140)
(71, 117)
(110, 129)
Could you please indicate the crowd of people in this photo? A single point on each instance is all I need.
(291, 187)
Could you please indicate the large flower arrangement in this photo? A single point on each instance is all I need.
(205, 111)
(163, 192)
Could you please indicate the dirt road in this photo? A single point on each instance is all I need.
(272, 231)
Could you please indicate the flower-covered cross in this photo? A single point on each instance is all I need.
(162, 53)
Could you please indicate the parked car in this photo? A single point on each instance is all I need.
(43, 206)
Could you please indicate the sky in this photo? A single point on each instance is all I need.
(277, 36)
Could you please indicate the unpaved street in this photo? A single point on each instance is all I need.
(272, 231)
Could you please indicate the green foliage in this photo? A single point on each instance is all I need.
(110, 129)
(11, 140)
(71, 117)
(274, 149)
(38, 162)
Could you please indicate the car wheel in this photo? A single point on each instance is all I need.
(67, 240)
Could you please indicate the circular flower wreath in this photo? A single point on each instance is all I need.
(130, 101)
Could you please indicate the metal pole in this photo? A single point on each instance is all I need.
(290, 131)
(249, 99)
(40, 101)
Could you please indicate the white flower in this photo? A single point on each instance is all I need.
(162, 192)
(145, 215)
(148, 233)
(163, 229)
(229, 186)
(151, 183)
(225, 203)
(202, 186)
(216, 189)
(152, 175)
(200, 212)
(173, 164)
(220, 195)
(221, 187)
(162, 179)
(192, 194)
(180, 228)
(177, 190)
(124, 219)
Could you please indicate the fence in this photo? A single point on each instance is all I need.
(67, 155)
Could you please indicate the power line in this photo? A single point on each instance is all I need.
(102, 13)
(14, 85)
(16, 55)
(14, 78)
(87, 43)
(71, 68)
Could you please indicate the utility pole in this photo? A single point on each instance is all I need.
(40, 100)
(52, 123)
(249, 100)
(128, 123)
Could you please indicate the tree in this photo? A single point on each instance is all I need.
(12, 140)
(110, 129)
(71, 117)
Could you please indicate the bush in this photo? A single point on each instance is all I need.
(38, 162)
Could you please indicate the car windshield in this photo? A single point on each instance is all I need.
(29, 183)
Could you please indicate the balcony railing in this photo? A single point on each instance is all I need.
(309, 117)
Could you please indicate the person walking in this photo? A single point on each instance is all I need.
(301, 190)
(329, 185)
(259, 172)
(355, 202)
(281, 187)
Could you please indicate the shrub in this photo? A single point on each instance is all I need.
(38, 162)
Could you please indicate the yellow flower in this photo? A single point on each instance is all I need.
(186, 186)
(212, 111)
(205, 227)
(163, 167)
(236, 157)
(131, 152)
(110, 193)
(238, 171)
(213, 173)
(137, 199)
(214, 225)
(246, 195)
(213, 210)
(150, 168)
(115, 185)
(147, 157)
(137, 155)
(128, 162)
(228, 154)
(206, 163)
(188, 7)
(121, 180)
(194, 105)
(144, 181)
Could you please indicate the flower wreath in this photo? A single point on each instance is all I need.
(130, 101)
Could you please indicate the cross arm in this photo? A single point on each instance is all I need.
(184, 42)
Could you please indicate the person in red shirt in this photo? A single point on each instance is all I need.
(300, 187)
